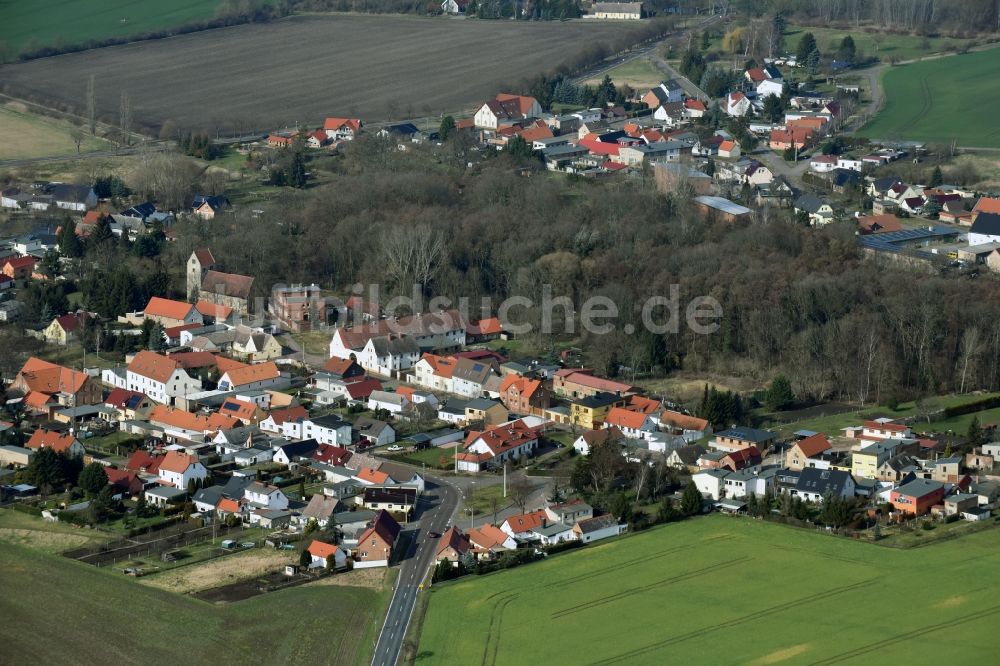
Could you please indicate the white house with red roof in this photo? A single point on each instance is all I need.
(177, 469)
(737, 104)
(342, 129)
(161, 378)
(506, 109)
(876, 430)
(633, 424)
(508, 441)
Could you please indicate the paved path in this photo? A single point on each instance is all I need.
(439, 503)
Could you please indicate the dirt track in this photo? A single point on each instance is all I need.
(304, 68)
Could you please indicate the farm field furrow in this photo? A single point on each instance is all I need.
(304, 68)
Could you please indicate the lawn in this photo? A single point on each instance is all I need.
(725, 590)
(27, 135)
(435, 457)
(116, 620)
(884, 46)
(25, 530)
(32, 24)
(928, 101)
(832, 424)
(639, 73)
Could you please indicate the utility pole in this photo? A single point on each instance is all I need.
(505, 479)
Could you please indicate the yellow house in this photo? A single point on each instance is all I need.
(62, 330)
(866, 462)
(591, 411)
(255, 347)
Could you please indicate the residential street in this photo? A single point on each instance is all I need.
(439, 503)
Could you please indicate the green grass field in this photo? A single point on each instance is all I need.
(881, 45)
(29, 135)
(30, 24)
(98, 616)
(639, 73)
(933, 101)
(724, 590)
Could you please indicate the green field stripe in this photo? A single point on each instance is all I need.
(727, 624)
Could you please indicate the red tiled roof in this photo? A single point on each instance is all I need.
(292, 414)
(333, 124)
(683, 421)
(154, 366)
(360, 390)
(204, 256)
(227, 284)
(49, 439)
(177, 461)
(164, 307)
(987, 205)
(253, 373)
(525, 522)
(503, 438)
(489, 326)
(141, 461)
(120, 397)
(625, 418)
(322, 549)
(208, 309)
(813, 445)
(49, 378)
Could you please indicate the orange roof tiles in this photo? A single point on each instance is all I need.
(249, 374)
(49, 439)
(166, 308)
(208, 309)
(178, 418)
(625, 418)
(372, 475)
(813, 445)
(177, 461)
(154, 366)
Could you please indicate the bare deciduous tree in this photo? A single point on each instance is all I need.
(411, 255)
(91, 106)
(125, 118)
(970, 349)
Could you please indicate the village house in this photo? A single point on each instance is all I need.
(818, 211)
(736, 439)
(506, 109)
(522, 395)
(159, 377)
(323, 555)
(47, 387)
(617, 10)
(342, 129)
(580, 383)
(169, 313)
(453, 546)
(805, 452)
(633, 424)
(375, 544)
(60, 442)
(178, 469)
(207, 207)
(510, 441)
(62, 330)
(488, 541)
(917, 497)
(397, 500)
(255, 346)
(250, 377)
(814, 484)
(591, 411)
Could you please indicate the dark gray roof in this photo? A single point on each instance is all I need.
(235, 486)
(210, 495)
(919, 487)
(689, 454)
(70, 192)
(809, 203)
(987, 224)
(597, 523)
(822, 481)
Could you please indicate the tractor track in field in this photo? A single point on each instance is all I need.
(727, 624)
(633, 562)
(892, 640)
(493, 635)
(645, 588)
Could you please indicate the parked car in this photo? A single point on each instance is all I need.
(395, 447)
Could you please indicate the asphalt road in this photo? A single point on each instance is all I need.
(440, 503)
